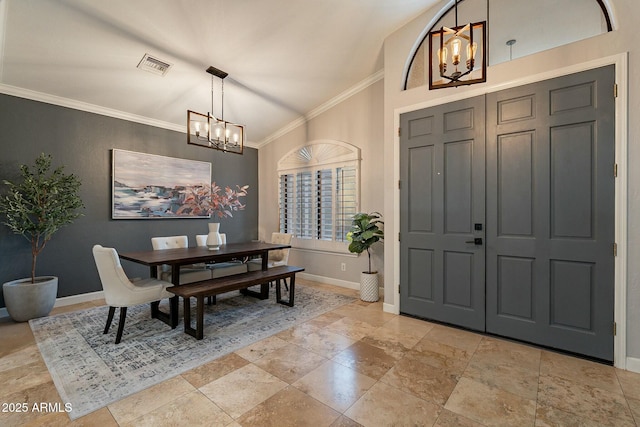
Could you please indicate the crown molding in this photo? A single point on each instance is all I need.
(92, 108)
(97, 109)
(85, 106)
(379, 75)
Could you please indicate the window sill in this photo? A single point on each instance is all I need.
(322, 246)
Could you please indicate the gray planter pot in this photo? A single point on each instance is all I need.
(26, 300)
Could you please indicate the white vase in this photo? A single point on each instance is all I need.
(369, 286)
(213, 238)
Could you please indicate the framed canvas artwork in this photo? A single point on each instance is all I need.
(152, 186)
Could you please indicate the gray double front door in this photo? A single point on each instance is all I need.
(507, 213)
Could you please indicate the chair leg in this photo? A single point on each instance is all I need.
(123, 314)
(112, 310)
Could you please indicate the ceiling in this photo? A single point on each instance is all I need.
(284, 57)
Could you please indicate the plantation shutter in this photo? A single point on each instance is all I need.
(286, 203)
(304, 205)
(325, 204)
(346, 200)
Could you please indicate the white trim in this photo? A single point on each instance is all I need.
(340, 253)
(287, 163)
(633, 364)
(379, 75)
(621, 219)
(4, 6)
(421, 38)
(109, 112)
(612, 16)
(330, 281)
(91, 108)
(620, 61)
(390, 308)
(64, 301)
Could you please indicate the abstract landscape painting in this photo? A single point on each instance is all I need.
(152, 186)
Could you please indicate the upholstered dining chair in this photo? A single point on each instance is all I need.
(188, 273)
(222, 269)
(121, 292)
(277, 257)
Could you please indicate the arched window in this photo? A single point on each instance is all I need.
(319, 193)
(533, 25)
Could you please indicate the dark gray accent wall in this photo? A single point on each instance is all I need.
(82, 142)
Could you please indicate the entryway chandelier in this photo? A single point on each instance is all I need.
(446, 46)
(211, 132)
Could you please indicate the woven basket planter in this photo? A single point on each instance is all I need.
(369, 286)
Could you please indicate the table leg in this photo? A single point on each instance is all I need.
(200, 317)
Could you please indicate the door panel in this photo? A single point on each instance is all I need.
(549, 213)
(550, 225)
(442, 198)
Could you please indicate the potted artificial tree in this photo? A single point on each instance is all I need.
(36, 207)
(365, 231)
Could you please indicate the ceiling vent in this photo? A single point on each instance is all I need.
(154, 65)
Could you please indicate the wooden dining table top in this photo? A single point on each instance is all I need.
(201, 254)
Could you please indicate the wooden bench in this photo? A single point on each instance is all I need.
(220, 285)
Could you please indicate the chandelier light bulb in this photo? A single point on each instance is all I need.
(456, 46)
(442, 54)
(471, 55)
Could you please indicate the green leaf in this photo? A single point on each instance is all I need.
(40, 203)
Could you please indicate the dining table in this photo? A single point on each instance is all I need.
(178, 257)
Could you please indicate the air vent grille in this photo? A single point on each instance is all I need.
(154, 65)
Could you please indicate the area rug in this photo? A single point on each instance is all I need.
(90, 371)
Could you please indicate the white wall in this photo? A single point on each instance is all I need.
(596, 50)
(356, 121)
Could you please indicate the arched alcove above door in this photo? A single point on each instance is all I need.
(531, 26)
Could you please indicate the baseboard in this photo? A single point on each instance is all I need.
(390, 308)
(91, 296)
(63, 301)
(330, 281)
(633, 364)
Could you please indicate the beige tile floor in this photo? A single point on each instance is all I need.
(356, 365)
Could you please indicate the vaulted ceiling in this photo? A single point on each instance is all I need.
(284, 57)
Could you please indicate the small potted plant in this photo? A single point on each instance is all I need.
(365, 231)
(36, 207)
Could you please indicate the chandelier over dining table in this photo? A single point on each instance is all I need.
(208, 131)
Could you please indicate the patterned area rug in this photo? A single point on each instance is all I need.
(90, 371)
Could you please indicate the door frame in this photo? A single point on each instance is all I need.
(620, 61)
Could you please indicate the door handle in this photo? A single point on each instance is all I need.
(476, 241)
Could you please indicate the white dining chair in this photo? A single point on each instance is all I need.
(188, 273)
(221, 269)
(121, 292)
(277, 257)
